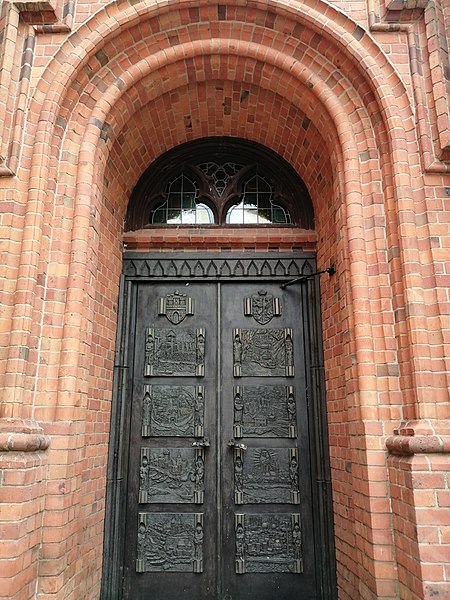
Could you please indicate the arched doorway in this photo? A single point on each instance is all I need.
(219, 474)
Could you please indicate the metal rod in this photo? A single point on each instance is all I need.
(331, 271)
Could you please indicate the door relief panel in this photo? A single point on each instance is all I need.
(266, 475)
(173, 411)
(170, 542)
(171, 475)
(268, 543)
(265, 411)
(263, 352)
(174, 352)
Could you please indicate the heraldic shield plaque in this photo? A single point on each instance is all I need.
(176, 307)
(262, 307)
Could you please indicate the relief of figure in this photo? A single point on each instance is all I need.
(289, 351)
(200, 349)
(141, 537)
(149, 349)
(144, 474)
(238, 409)
(238, 473)
(237, 348)
(291, 409)
(240, 541)
(198, 542)
(199, 473)
(198, 408)
(297, 540)
(293, 473)
(146, 410)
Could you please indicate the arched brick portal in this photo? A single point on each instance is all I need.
(135, 81)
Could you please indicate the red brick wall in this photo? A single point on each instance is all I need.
(363, 121)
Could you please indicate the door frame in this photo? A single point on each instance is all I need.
(218, 266)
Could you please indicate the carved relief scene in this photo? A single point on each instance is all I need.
(263, 352)
(171, 475)
(268, 543)
(174, 352)
(266, 475)
(264, 411)
(168, 542)
(173, 410)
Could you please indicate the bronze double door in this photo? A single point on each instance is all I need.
(219, 501)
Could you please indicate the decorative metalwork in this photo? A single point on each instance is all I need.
(279, 268)
(178, 353)
(172, 475)
(268, 543)
(262, 307)
(176, 306)
(263, 352)
(264, 411)
(266, 475)
(170, 543)
(173, 411)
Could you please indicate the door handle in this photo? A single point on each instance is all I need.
(237, 445)
(204, 443)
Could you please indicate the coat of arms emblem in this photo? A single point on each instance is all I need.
(176, 306)
(262, 307)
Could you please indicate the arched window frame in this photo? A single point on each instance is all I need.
(192, 158)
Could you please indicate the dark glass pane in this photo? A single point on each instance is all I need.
(264, 201)
(263, 186)
(188, 200)
(159, 216)
(176, 185)
(279, 215)
(251, 186)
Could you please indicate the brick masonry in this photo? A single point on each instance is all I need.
(355, 96)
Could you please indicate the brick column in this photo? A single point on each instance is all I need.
(419, 472)
(23, 466)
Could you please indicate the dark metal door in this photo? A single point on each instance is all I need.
(219, 489)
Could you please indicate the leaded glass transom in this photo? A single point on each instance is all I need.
(181, 206)
(219, 181)
(256, 205)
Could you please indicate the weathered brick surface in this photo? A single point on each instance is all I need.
(353, 94)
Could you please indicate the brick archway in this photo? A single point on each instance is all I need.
(306, 82)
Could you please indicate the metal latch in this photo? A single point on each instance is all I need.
(237, 445)
(204, 443)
